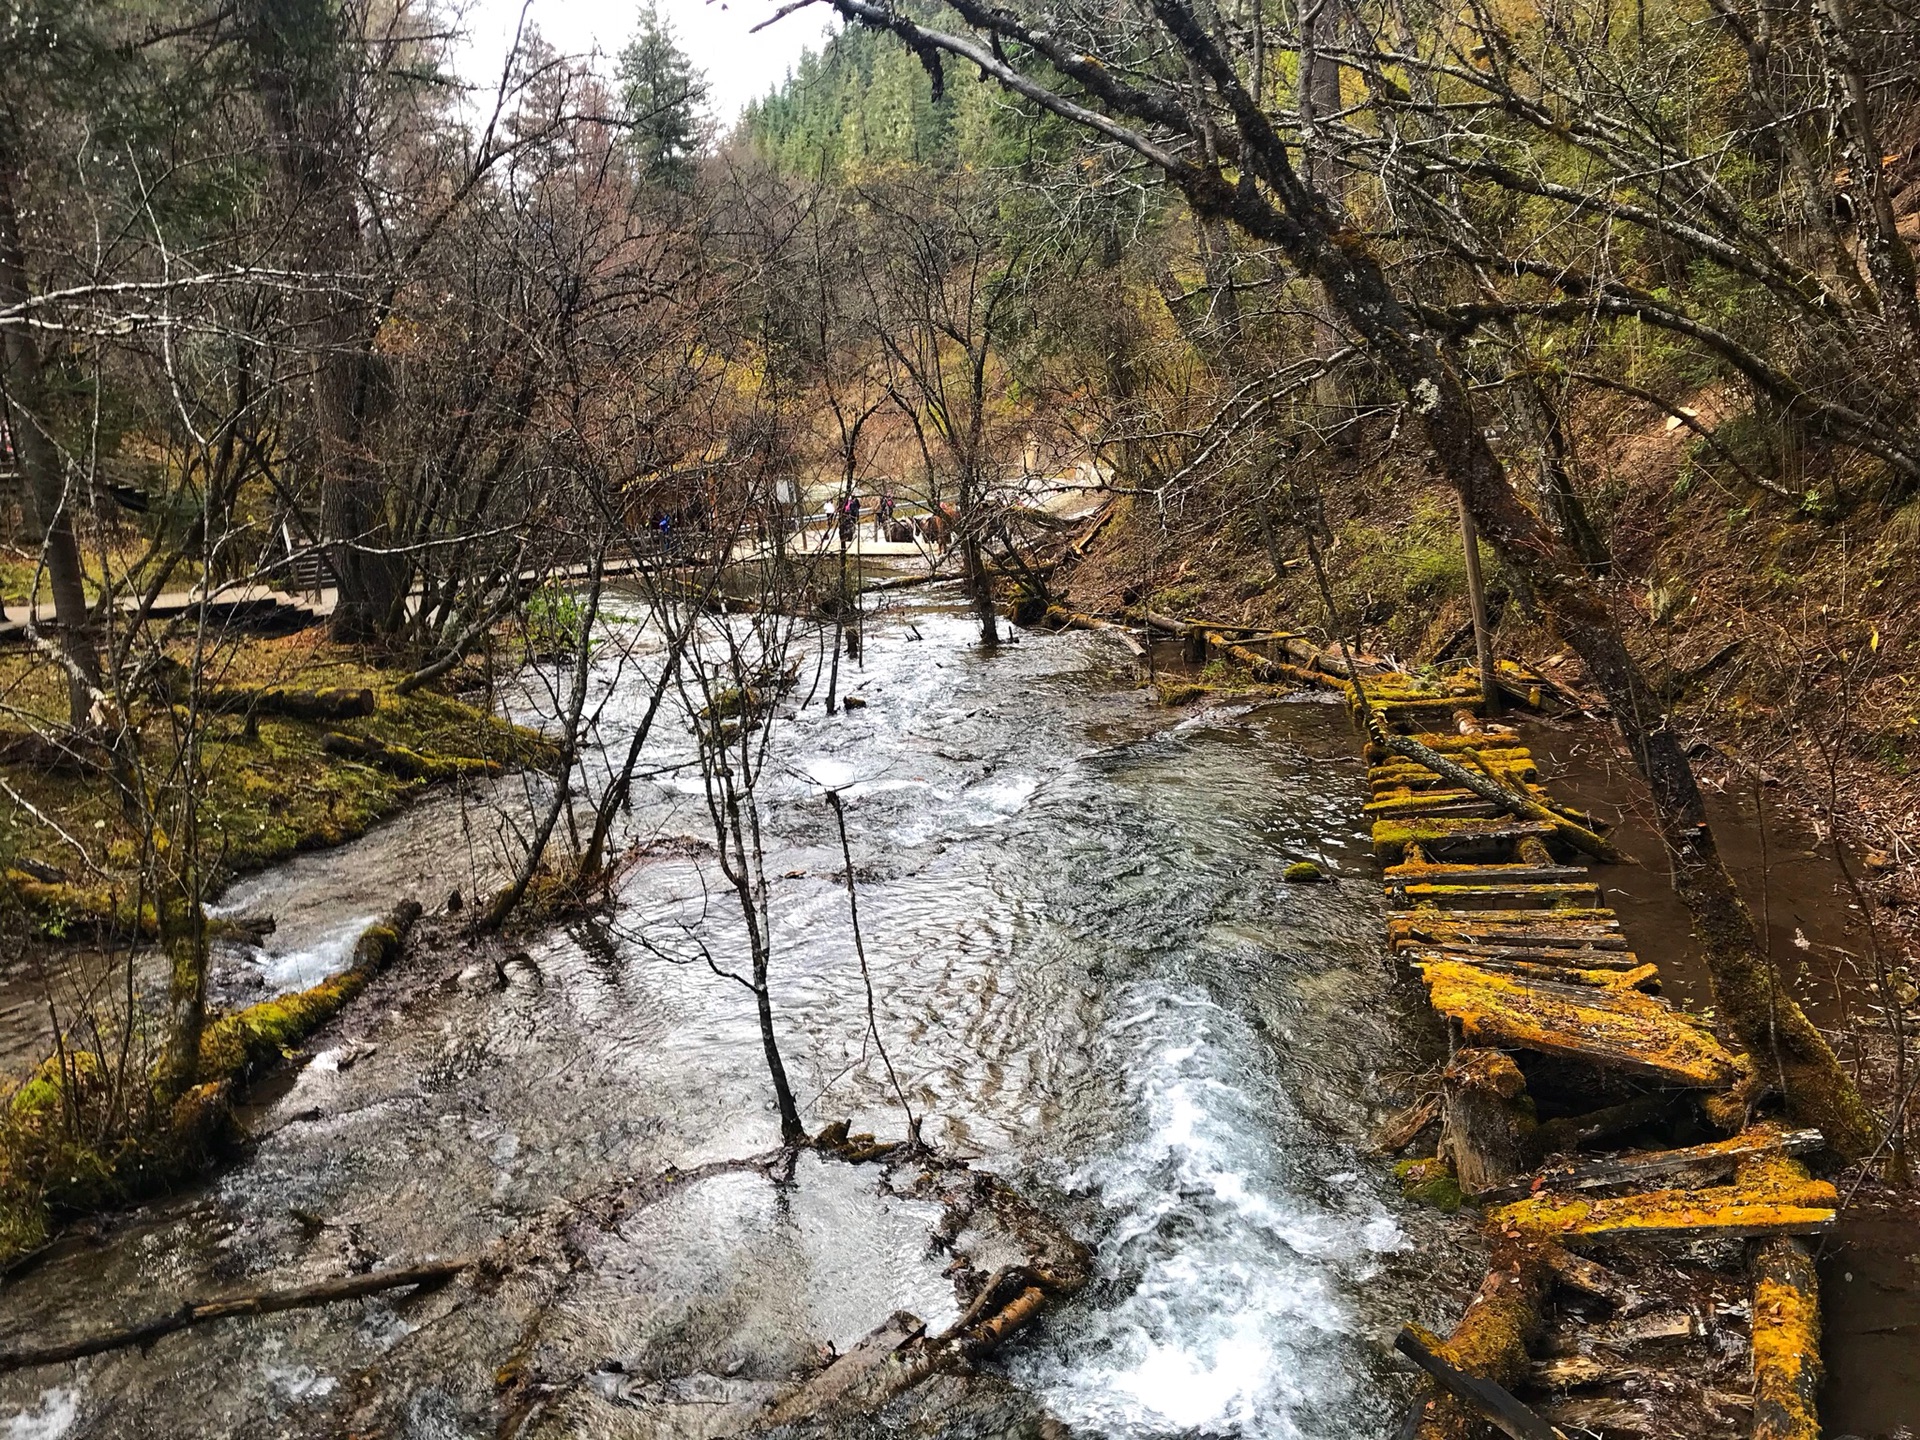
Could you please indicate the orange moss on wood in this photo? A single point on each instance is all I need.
(1492, 1339)
(1786, 1342)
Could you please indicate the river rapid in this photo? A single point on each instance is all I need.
(1089, 977)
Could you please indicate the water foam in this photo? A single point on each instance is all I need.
(1223, 1309)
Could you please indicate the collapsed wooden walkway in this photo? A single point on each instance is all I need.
(1701, 1314)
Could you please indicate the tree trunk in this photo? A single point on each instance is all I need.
(49, 508)
(1477, 602)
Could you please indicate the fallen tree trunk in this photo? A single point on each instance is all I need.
(143, 1333)
(338, 703)
(399, 760)
(1487, 1351)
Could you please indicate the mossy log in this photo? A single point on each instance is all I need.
(65, 911)
(1487, 1119)
(1491, 1340)
(337, 703)
(1786, 1341)
(1617, 1028)
(1775, 1196)
(236, 1045)
(400, 761)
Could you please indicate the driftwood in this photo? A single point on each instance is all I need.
(261, 1302)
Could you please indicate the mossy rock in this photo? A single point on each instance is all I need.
(1303, 872)
(1430, 1182)
(1177, 693)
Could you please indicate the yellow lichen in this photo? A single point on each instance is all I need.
(1619, 1027)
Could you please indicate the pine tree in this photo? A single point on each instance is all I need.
(663, 98)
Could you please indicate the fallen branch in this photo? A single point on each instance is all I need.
(1492, 1401)
(263, 1302)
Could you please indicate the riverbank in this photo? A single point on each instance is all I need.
(303, 746)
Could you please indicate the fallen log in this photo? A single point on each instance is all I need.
(143, 1333)
(1487, 1351)
(1786, 1342)
(401, 761)
(339, 703)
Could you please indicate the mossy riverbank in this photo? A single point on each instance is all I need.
(272, 784)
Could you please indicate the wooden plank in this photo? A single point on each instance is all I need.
(1546, 897)
(1775, 1197)
(1564, 957)
(1638, 1167)
(1454, 839)
(1484, 874)
(1619, 1028)
(1640, 977)
(1593, 929)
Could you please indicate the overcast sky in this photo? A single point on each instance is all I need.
(739, 66)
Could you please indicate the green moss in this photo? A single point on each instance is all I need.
(268, 794)
(1430, 1182)
(1302, 872)
(50, 1167)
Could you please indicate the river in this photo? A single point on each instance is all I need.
(1089, 977)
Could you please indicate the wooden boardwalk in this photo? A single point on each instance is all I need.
(1517, 949)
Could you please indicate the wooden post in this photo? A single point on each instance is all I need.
(1477, 598)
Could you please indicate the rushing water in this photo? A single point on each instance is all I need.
(1088, 975)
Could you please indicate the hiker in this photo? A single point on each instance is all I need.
(849, 519)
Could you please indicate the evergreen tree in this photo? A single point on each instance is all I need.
(663, 98)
